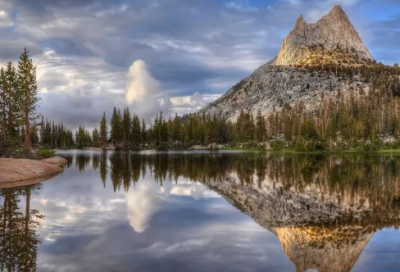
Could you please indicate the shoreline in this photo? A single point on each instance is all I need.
(20, 172)
(284, 150)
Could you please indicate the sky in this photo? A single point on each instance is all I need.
(173, 56)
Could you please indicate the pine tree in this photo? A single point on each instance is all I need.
(13, 100)
(260, 127)
(116, 127)
(126, 127)
(28, 88)
(42, 132)
(95, 137)
(3, 105)
(103, 130)
(144, 133)
(136, 137)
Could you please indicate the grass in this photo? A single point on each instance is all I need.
(245, 149)
(388, 151)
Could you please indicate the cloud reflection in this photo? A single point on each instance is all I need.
(146, 199)
(142, 202)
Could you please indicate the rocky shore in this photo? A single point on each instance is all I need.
(19, 172)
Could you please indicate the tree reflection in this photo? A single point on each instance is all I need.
(370, 181)
(19, 241)
(323, 209)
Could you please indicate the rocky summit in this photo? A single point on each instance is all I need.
(288, 79)
(331, 39)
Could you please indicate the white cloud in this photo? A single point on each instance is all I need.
(182, 246)
(197, 191)
(191, 103)
(147, 197)
(140, 83)
(144, 91)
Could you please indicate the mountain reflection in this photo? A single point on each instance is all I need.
(323, 209)
(19, 241)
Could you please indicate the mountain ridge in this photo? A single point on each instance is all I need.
(289, 79)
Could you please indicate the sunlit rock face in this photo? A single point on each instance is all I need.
(333, 31)
(332, 41)
(333, 249)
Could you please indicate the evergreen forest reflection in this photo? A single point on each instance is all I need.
(363, 184)
(19, 223)
(323, 209)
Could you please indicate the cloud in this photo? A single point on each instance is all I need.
(147, 198)
(144, 92)
(194, 102)
(196, 191)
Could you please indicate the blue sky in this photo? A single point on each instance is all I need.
(169, 55)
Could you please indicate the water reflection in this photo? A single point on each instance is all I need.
(19, 241)
(277, 190)
(324, 210)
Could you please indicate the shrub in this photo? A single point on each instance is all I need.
(277, 145)
(44, 152)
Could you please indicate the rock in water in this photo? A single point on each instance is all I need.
(56, 160)
(332, 34)
(14, 171)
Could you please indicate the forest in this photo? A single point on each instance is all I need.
(367, 120)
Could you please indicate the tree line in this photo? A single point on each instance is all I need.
(367, 119)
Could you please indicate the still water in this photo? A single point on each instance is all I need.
(206, 211)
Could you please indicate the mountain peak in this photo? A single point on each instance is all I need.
(299, 21)
(337, 8)
(337, 13)
(333, 38)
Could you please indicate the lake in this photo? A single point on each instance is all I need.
(206, 211)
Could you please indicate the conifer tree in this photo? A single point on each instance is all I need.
(260, 127)
(95, 138)
(3, 105)
(144, 133)
(28, 91)
(126, 126)
(13, 100)
(103, 130)
(136, 137)
(42, 131)
(116, 127)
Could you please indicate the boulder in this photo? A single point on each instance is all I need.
(13, 171)
(109, 146)
(56, 161)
